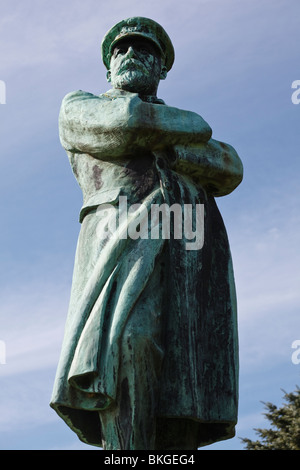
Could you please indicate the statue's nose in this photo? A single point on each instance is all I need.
(131, 52)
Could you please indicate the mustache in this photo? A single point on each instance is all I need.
(132, 64)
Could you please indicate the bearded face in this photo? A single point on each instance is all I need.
(136, 66)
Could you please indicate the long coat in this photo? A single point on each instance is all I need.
(199, 379)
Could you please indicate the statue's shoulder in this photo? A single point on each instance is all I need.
(80, 95)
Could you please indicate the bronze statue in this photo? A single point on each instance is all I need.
(150, 354)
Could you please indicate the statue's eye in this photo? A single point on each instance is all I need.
(143, 50)
(120, 50)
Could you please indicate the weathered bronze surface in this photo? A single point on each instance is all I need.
(150, 354)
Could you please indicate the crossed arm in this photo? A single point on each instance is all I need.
(111, 129)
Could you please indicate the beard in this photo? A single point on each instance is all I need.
(133, 76)
(132, 80)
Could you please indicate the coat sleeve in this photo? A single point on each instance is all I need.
(93, 124)
(215, 165)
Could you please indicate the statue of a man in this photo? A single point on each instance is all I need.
(150, 353)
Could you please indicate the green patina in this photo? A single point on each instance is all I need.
(150, 354)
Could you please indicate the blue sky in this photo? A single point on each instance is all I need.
(235, 63)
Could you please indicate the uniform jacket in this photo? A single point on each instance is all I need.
(200, 369)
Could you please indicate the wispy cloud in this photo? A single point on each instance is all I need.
(265, 245)
(32, 325)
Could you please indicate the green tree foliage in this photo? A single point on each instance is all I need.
(284, 433)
